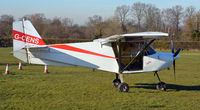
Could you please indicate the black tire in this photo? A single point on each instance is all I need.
(161, 86)
(116, 82)
(123, 87)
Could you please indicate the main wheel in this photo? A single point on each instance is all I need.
(161, 86)
(123, 87)
(116, 82)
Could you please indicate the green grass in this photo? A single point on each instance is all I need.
(80, 88)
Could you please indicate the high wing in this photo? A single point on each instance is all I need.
(146, 34)
(138, 36)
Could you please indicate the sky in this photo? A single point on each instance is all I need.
(79, 10)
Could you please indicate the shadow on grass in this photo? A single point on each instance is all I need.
(156, 106)
(169, 86)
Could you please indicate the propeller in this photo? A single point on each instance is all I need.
(174, 55)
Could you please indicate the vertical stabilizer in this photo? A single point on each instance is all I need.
(24, 36)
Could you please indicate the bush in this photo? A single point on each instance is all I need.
(7, 42)
(196, 35)
(182, 45)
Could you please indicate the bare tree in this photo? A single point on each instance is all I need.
(137, 11)
(177, 14)
(6, 25)
(190, 22)
(166, 19)
(152, 18)
(95, 20)
(196, 34)
(190, 11)
(95, 26)
(198, 21)
(39, 21)
(111, 27)
(7, 19)
(67, 22)
(172, 17)
(192, 27)
(121, 13)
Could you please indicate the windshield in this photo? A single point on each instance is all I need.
(149, 51)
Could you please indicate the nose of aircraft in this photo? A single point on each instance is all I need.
(167, 57)
(177, 57)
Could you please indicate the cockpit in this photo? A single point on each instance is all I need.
(126, 51)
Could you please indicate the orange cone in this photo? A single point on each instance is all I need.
(7, 69)
(46, 69)
(20, 66)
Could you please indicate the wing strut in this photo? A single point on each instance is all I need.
(138, 54)
(119, 54)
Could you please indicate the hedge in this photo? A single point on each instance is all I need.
(183, 45)
(7, 42)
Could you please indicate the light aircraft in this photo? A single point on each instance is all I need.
(120, 54)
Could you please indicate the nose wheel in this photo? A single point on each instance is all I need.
(161, 85)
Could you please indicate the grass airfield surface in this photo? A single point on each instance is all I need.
(81, 88)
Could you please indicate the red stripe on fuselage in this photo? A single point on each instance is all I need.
(27, 38)
(75, 49)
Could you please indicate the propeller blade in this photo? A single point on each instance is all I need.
(174, 69)
(177, 52)
(172, 46)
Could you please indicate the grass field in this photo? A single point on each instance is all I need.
(80, 88)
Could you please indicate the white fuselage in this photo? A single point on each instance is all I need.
(91, 55)
(109, 54)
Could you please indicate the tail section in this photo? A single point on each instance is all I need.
(25, 36)
(29, 47)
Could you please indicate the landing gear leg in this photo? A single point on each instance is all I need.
(122, 87)
(161, 85)
(116, 81)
